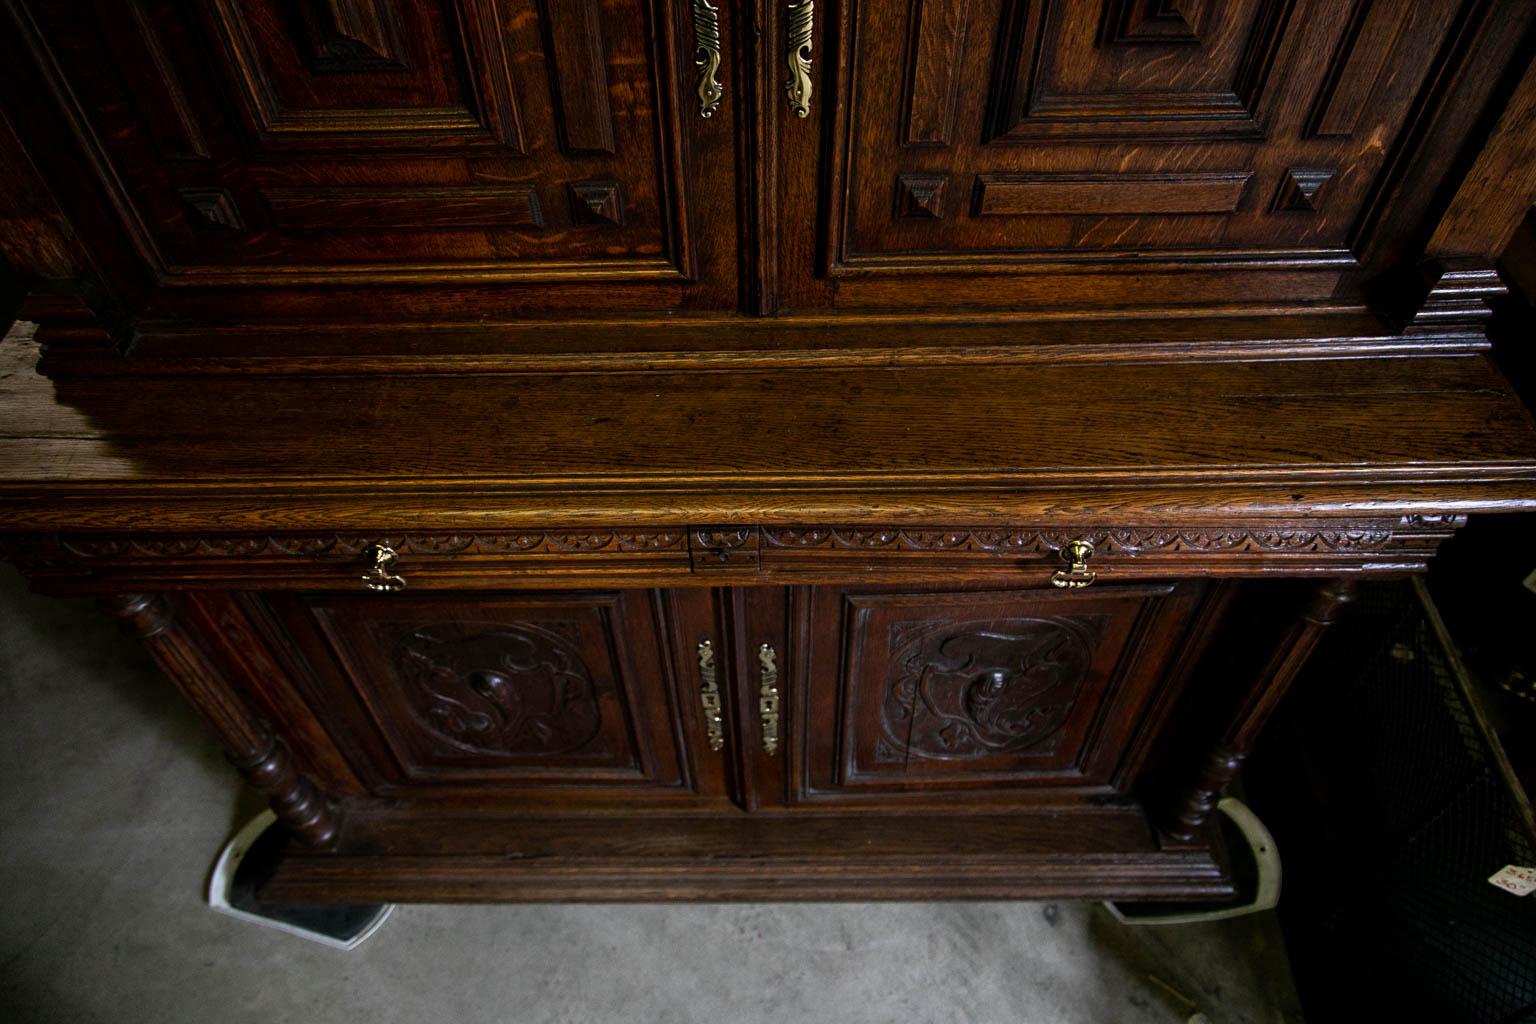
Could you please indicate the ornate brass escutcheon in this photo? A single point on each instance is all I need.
(709, 696)
(1077, 574)
(799, 28)
(706, 45)
(768, 698)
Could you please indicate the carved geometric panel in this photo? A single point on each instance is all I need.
(1063, 75)
(352, 35)
(1357, 66)
(1105, 134)
(428, 141)
(1152, 21)
(581, 85)
(440, 208)
(541, 689)
(291, 102)
(937, 48)
(1124, 194)
(146, 64)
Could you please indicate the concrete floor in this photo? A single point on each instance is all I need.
(114, 801)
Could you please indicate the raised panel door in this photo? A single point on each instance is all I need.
(548, 697)
(494, 155)
(1103, 153)
(985, 695)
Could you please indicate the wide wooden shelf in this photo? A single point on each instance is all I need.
(1174, 441)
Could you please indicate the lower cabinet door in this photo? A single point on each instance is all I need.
(988, 695)
(547, 699)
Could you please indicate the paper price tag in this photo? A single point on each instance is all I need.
(1513, 878)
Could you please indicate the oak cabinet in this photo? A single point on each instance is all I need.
(751, 449)
(757, 698)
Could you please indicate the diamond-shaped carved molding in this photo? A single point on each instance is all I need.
(1151, 21)
(597, 202)
(1302, 189)
(920, 196)
(213, 209)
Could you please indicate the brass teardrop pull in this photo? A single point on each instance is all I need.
(1076, 575)
(380, 575)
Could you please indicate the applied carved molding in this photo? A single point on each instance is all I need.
(316, 546)
(739, 547)
(1111, 541)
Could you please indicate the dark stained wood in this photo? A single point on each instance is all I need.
(634, 556)
(259, 754)
(762, 857)
(938, 44)
(1138, 93)
(581, 79)
(1019, 696)
(1497, 193)
(1358, 65)
(726, 472)
(1034, 195)
(1004, 444)
(1258, 702)
(446, 207)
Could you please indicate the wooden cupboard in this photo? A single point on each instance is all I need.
(690, 449)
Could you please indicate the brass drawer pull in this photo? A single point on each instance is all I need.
(706, 45)
(709, 696)
(1077, 574)
(380, 576)
(799, 29)
(768, 698)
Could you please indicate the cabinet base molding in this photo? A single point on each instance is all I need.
(1022, 855)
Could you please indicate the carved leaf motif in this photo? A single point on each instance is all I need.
(513, 689)
(973, 690)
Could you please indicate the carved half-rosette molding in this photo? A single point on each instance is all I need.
(319, 546)
(1115, 540)
(1381, 543)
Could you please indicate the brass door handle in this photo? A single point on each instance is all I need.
(706, 46)
(1077, 574)
(799, 38)
(768, 698)
(380, 575)
(709, 696)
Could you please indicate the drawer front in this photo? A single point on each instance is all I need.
(556, 693)
(999, 693)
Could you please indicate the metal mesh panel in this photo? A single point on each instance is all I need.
(1405, 818)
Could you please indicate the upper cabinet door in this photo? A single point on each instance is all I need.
(1099, 153)
(499, 156)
